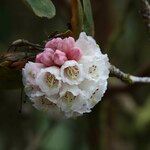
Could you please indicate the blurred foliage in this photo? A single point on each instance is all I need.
(42, 8)
(88, 18)
(120, 122)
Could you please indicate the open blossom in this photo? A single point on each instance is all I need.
(72, 101)
(43, 104)
(95, 67)
(49, 80)
(69, 77)
(72, 72)
(88, 45)
(30, 72)
(94, 91)
(33, 91)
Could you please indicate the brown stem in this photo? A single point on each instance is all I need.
(22, 42)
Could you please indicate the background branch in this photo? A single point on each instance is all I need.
(114, 71)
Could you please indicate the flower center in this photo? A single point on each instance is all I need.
(93, 70)
(94, 101)
(69, 97)
(51, 80)
(46, 102)
(72, 72)
(32, 75)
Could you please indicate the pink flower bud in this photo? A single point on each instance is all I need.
(59, 57)
(54, 44)
(38, 58)
(68, 43)
(74, 54)
(46, 57)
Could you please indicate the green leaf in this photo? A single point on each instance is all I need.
(88, 18)
(42, 8)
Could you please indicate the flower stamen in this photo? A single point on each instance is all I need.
(46, 102)
(72, 72)
(69, 97)
(92, 69)
(32, 75)
(51, 80)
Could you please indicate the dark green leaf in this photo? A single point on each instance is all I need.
(88, 18)
(42, 8)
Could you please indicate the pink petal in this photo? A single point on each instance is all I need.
(54, 44)
(74, 54)
(68, 43)
(38, 58)
(46, 57)
(59, 57)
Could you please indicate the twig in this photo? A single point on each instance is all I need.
(22, 42)
(114, 71)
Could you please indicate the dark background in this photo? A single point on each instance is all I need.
(121, 121)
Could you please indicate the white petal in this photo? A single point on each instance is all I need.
(68, 94)
(49, 80)
(72, 101)
(88, 45)
(53, 98)
(98, 93)
(95, 68)
(87, 87)
(72, 72)
(33, 91)
(66, 87)
(81, 105)
(30, 72)
(43, 104)
(72, 114)
(93, 90)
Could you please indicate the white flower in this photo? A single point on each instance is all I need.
(53, 98)
(42, 103)
(88, 45)
(94, 91)
(95, 68)
(73, 88)
(32, 91)
(72, 101)
(30, 72)
(49, 80)
(87, 87)
(72, 72)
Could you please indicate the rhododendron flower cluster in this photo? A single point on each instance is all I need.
(68, 78)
